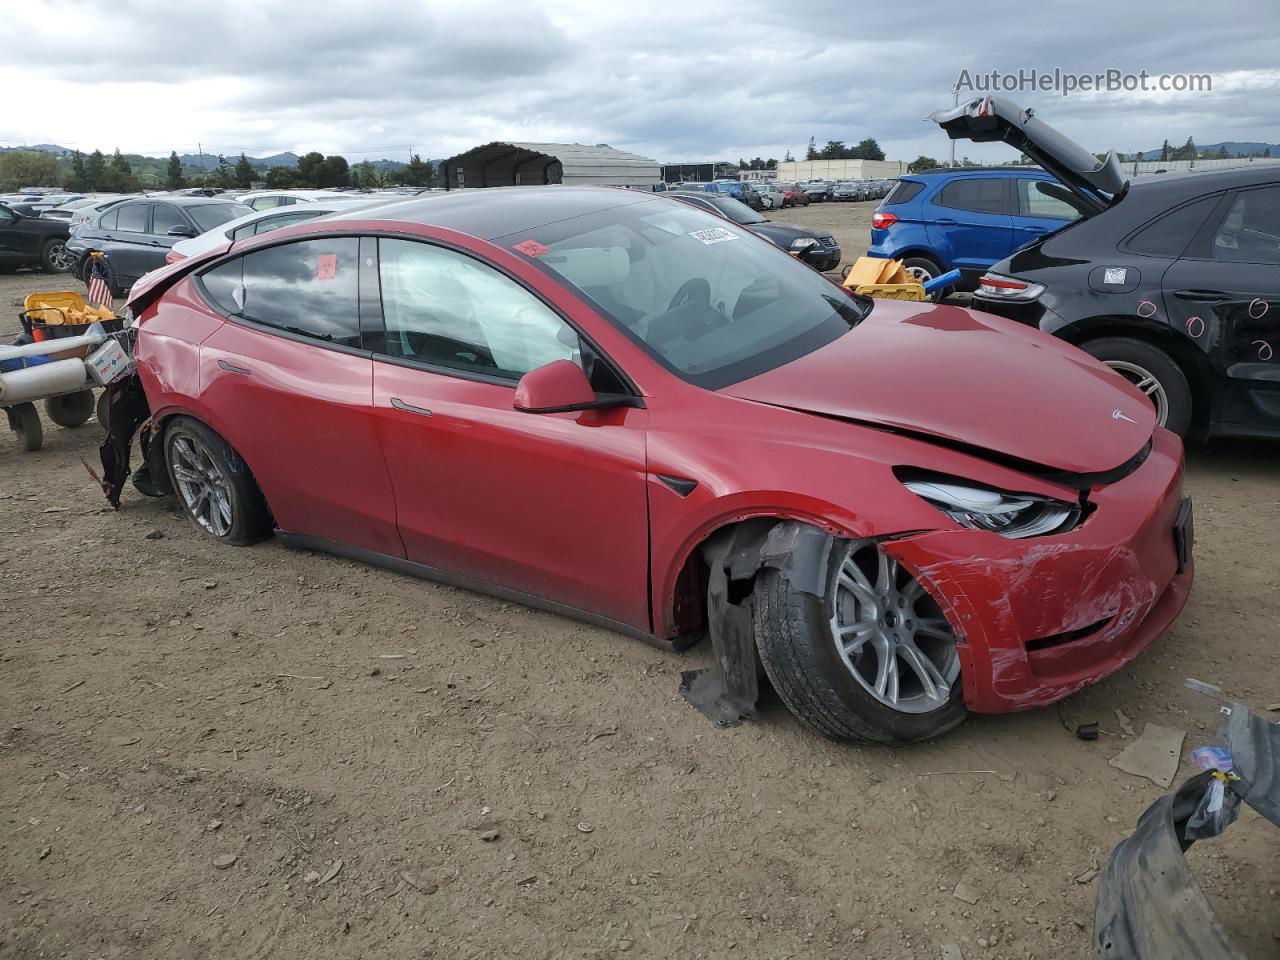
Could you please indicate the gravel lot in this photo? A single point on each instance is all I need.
(211, 752)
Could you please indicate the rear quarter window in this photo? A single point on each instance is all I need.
(1170, 233)
(980, 194)
(904, 191)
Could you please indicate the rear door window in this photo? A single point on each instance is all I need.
(980, 194)
(1034, 201)
(308, 288)
(133, 218)
(1169, 234)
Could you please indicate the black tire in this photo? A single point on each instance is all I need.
(250, 519)
(103, 410)
(793, 635)
(54, 257)
(70, 409)
(25, 422)
(1153, 360)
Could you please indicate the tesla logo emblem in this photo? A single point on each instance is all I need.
(1117, 415)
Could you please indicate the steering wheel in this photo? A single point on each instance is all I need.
(694, 290)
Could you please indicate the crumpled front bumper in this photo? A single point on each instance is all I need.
(1040, 618)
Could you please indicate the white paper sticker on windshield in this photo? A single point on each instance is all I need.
(713, 235)
(1114, 275)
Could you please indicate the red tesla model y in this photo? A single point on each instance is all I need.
(634, 412)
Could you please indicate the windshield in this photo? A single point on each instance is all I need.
(712, 303)
(210, 215)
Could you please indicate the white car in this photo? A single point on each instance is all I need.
(770, 193)
(266, 199)
(262, 221)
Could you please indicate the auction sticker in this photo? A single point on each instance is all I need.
(532, 248)
(326, 266)
(713, 235)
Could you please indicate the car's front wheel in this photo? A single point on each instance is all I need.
(874, 660)
(214, 484)
(1153, 372)
(55, 257)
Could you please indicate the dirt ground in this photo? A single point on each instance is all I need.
(212, 752)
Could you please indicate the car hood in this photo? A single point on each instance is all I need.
(969, 380)
(784, 234)
(987, 119)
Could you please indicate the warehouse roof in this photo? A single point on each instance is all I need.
(510, 163)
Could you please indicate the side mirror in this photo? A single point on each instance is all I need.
(562, 387)
(181, 231)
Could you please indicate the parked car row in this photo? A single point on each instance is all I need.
(819, 191)
(1172, 281)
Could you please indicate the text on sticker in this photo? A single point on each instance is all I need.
(326, 266)
(713, 235)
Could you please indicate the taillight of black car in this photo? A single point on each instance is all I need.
(996, 286)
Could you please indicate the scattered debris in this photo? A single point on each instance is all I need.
(951, 951)
(1154, 755)
(609, 731)
(1087, 876)
(56, 509)
(126, 741)
(213, 825)
(1273, 706)
(489, 836)
(958, 773)
(312, 876)
(585, 827)
(391, 656)
(224, 861)
(210, 584)
(154, 535)
(78, 683)
(967, 893)
(1087, 731)
(1125, 725)
(527, 881)
(422, 886)
(44, 852)
(334, 869)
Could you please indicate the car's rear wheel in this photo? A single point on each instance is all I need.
(874, 660)
(55, 257)
(24, 421)
(1153, 372)
(214, 484)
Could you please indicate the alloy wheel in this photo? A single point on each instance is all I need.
(1145, 381)
(202, 485)
(60, 257)
(891, 634)
(919, 274)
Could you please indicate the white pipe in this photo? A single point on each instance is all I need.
(52, 346)
(48, 379)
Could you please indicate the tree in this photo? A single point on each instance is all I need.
(1185, 152)
(334, 172)
(419, 173)
(788, 158)
(173, 172)
(95, 171)
(27, 168)
(310, 168)
(834, 150)
(244, 172)
(771, 164)
(76, 181)
(367, 176)
(1166, 152)
(922, 163)
(812, 152)
(118, 176)
(867, 149)
(742, 164)
(283, 178)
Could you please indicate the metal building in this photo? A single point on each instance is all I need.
(501, 164)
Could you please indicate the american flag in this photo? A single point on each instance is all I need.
(99, 291)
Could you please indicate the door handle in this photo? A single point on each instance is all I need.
(1202, 296)
(232, 368)
(409, 407)
(945, 222)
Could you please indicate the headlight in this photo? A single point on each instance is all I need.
(1013, 515)
(803, 243)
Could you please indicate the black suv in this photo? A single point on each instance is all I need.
(1172, 279)
(28, 239)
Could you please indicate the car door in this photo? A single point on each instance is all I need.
(1223, 295)
(552, 506)
(166, 217)
(971, 226)
(1039, 211)
(127, 242)
(291, 386)
(15, 243)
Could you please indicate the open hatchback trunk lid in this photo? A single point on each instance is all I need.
(985, 120)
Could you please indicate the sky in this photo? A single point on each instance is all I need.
(670, 81)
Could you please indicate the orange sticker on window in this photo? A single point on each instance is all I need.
(326, 266)
(531, 248)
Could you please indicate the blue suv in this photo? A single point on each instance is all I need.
(967, 218)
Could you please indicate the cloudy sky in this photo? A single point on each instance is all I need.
(672, 81)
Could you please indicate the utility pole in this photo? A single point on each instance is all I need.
(955, 102)
(200, 150)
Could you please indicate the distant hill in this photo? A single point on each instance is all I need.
(1235, 148)
(207, 162)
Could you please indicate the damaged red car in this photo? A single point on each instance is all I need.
(629, 411)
